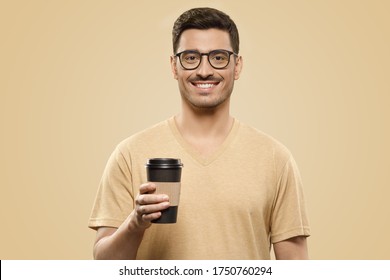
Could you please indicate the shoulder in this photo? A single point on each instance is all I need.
(144, 138)
(259, 140)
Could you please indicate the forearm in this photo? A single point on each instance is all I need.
(292, 249)
(121, 244)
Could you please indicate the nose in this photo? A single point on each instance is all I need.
(204, 70)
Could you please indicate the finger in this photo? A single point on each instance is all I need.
(147, 188)
(151, 208)
(151, 217)
(151, 199)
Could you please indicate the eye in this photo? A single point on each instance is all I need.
(219, 57)
(190, 57)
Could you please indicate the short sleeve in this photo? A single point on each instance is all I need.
(289, 215)
(115, 197)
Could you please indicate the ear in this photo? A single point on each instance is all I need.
(238, 67)
(174, 67)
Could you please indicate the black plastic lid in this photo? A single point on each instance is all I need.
(164, 163)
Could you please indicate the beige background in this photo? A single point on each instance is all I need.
(77, 77)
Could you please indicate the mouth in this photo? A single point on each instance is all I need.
(205, 85)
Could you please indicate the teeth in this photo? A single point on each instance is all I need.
(204, 85)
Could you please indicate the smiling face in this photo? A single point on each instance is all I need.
(205, 87)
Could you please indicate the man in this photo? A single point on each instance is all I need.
(241, 190)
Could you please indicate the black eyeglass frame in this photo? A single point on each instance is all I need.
(208, 58)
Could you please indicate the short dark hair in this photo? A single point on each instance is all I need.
(205, 18)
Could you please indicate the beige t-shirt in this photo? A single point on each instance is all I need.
(233, 204)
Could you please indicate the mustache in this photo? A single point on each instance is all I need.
(205, 79)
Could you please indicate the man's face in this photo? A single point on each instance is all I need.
(206, 87)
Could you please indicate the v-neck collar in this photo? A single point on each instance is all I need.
(194, 153)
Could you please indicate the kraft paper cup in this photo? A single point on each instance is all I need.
(165, 173)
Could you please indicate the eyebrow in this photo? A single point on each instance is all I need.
(196, 50)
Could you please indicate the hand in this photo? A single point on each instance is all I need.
(148, 206)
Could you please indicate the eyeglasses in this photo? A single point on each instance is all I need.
(191, 59)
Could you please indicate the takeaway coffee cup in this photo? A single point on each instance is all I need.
(165, 173)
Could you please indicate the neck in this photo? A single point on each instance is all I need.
(205, 129)
(203, 123)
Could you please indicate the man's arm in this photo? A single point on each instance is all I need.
(123, 242)
(294, 248)
(113, 243)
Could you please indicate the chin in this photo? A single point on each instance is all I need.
(211, 105)
(206, 101)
